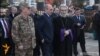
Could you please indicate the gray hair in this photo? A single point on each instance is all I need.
(63, 5)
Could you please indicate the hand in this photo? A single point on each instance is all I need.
(78, 24)
(42, 40)
(82, 27)
(33, 43)
(21, 47)
(66, 33)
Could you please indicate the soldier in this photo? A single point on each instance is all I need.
(23, 32)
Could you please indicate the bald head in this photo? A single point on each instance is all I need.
(48, 6)
(48, 9)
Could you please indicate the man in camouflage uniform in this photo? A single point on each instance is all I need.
(23, 33)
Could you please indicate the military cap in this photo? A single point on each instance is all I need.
(24, 5)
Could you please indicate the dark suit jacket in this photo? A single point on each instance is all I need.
(78, 32)
(10, 19)
(7, 40)
(35, 19)
(1, 31)
(46, 28)
(1, 35)
(96, 22)
(36, 23)
(82, 21)
(54, 15)
(2, 39)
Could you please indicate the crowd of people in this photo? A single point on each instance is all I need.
(56, 32)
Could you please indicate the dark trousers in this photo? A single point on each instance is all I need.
(98, 35)
(81, 39)
(68, 47)
(99, 46)
(46, 49)
(63, 48)
(37, 50)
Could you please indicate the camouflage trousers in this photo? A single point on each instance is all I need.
(26, 52)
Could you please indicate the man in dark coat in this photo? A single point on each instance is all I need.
(79, 23)
(6, 46)
(12, 15)
(35, 17)
(46, 31)
(63, 33)
(96, 23)
(55, 13)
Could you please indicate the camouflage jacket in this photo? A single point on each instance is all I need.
(23, 32)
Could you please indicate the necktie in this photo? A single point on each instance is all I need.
(78, 18)
(4, 27)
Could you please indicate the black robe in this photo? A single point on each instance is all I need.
(62, 47)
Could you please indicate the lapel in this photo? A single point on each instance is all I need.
(75, 19)
(48, 18)
(82, 19)
(1, 29)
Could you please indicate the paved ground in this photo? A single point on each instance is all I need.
(91, 46)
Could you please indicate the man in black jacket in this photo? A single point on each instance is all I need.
(5, 37)
(55, 13)
(46, 31)
(79, 23)
(96, 23)
(12, 15)
(35, 17)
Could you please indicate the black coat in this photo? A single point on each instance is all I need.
(1, 31)
(96, 22)
(1, 38)
(62, 47)
(36, 23)
(7, 41)
(54, 15)
(82, 21)
(59, 23)
(78, 31)
(46, 28)
(10, 20)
